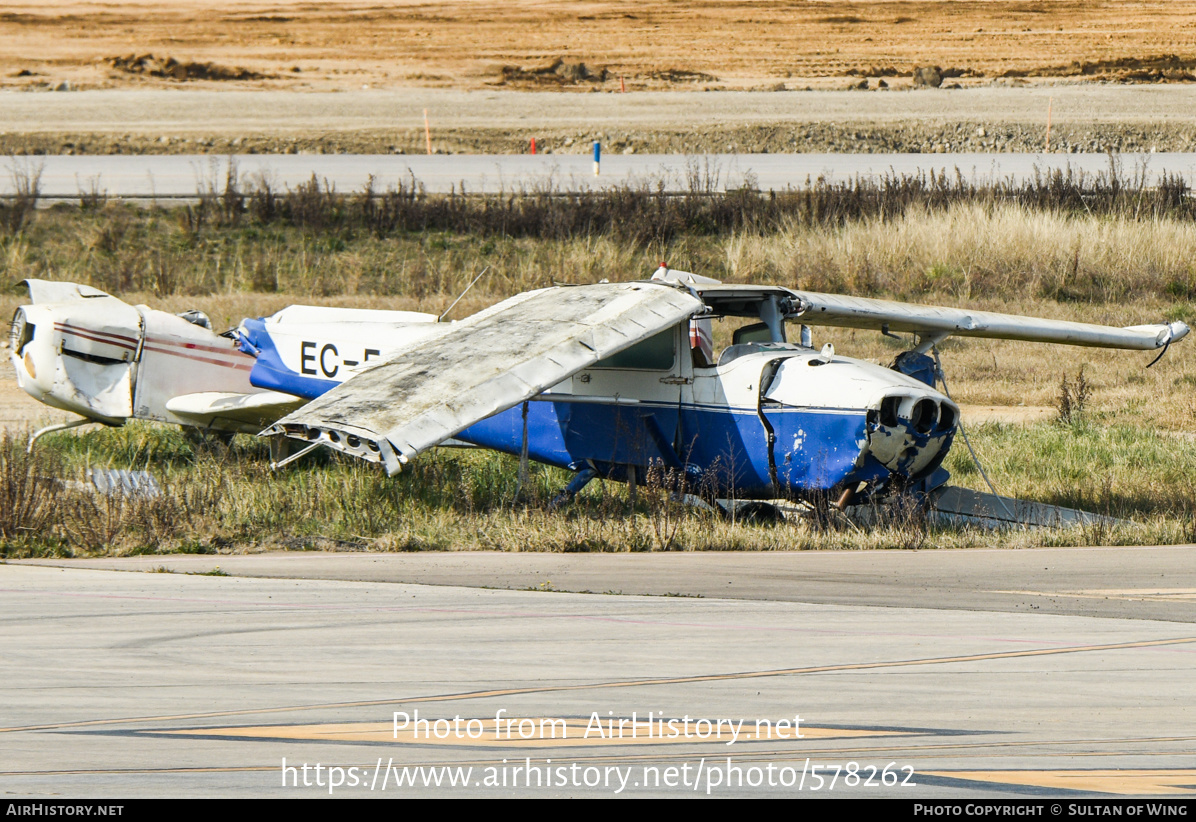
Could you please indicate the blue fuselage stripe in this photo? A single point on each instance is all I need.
(815, 449)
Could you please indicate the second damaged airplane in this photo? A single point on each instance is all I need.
(606, 380)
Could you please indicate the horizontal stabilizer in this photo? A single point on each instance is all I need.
(256, 409)
(483, 365)
(47, 291)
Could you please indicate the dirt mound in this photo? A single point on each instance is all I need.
(874, 71)
(1160, 68)
(680, 76)
(170, 68)
(556, 73)
(927, 73)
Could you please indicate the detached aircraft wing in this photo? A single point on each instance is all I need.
(483, 365)
(938, 322)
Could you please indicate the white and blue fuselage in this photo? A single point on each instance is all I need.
(767, 420)
(611, 380)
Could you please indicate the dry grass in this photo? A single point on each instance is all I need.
(27, 500)
(973, 251)
(40, 511)
(219, 499)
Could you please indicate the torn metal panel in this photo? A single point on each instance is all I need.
(484, 365)
(119, 482)
(116, 482)
(862, 312)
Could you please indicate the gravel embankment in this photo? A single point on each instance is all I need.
(1086, 118)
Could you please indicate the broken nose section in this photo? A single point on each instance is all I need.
(910, 434)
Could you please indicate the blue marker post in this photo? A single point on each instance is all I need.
(597, 156)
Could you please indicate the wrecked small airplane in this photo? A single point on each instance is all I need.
(609, 380)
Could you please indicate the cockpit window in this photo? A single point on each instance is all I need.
(656, 353)
(755, 333)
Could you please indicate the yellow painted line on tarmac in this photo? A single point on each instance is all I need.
(629, 683)
(1126, 594)
(533, 732)
(1121, 782)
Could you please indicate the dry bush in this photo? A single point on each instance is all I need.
(26, 181)
(664, 491)
(29, 493)
(1073, 398)
(42, 510)
(656, 211)
(185, 509)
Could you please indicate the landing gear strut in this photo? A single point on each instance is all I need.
(573, 488)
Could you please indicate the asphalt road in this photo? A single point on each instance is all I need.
(181, 176)
(170, 684)
(1146, 582)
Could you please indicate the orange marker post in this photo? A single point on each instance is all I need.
(533, 146)
(1050, 101)
(427, 131)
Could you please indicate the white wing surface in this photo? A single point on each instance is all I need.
(929, 321)
(480, 366)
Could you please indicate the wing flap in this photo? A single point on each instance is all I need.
(484, 365)
(862, 312)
